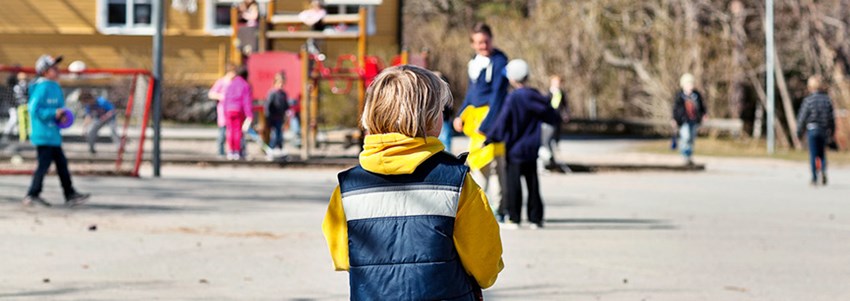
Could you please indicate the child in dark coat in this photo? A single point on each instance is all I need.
(518, 126)
(275, 107)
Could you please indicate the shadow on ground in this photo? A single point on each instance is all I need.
(609, 224)
(532, 292)
(50, 293)
(41, 293)
(96, 206)
(164, 196)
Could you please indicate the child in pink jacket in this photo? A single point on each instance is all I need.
(234, 96)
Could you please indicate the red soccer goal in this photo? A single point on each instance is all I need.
(129, 90)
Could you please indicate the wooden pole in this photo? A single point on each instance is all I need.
(777, 128)
(314, 113)
(737, 76)
(270, 10)
(790, 117)
(262, 27)
(222, 58)
(361, 61)
(235, 52)
(305, 96)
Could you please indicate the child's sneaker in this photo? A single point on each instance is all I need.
(34, 200)
(76, 199)
(536, 226)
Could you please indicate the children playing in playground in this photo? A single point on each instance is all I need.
(275, 107)
(483, 102)
(552, 133)
(409, 223)
(235, 107)
(294, 115)
(518, 126)
(313, 15)
(18, 117)
(99, 112)
(249, 11)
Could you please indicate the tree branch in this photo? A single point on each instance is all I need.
(634, 65)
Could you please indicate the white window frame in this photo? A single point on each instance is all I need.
(129, 28)
(353, 2)
(209, 13)
(209, 16)
(371, 29)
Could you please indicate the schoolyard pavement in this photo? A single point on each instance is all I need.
(742, 230)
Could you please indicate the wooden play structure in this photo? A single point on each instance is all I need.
(349, 70)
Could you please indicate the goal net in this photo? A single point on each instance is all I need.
(89, 143)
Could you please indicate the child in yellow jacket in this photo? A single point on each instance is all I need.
(409, 223)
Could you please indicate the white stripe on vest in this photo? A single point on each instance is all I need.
(398, 201)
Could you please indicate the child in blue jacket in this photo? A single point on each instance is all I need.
(99, 113)
(46, 107)
(518, 126)
(409, 223)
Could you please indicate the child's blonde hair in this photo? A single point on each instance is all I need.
(279, 78)
(815, 84)
(404, 99)
(686, 79)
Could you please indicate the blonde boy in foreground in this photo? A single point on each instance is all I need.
(409, 223)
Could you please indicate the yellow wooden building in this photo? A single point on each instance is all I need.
(117, 33)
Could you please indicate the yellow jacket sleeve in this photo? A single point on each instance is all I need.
(335, 229)
(476, 235)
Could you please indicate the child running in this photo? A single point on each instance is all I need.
(409, 223)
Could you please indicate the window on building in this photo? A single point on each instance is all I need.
(217, 14)
(343, 9)
(116, 13)
(125, 16)
(222, 15)
(142, 12)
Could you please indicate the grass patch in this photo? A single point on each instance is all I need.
(743, 149)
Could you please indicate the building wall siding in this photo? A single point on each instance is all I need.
(30, 28)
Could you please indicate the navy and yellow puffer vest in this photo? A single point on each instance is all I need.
(400, 232)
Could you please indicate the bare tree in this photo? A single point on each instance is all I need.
(623, 58)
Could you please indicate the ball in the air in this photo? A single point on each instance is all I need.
(77, 66)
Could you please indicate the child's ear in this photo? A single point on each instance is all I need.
(434, 128)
